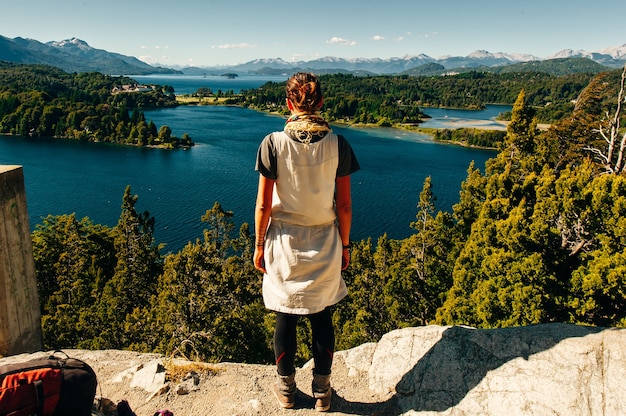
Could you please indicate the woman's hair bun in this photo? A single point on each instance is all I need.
(304, 91)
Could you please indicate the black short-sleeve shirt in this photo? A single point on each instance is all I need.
(266, 158)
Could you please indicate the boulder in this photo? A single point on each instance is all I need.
(549, 369)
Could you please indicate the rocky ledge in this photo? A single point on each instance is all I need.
(549, 369)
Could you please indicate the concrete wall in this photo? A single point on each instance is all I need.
(20, 318)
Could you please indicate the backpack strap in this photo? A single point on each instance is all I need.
(38, 384)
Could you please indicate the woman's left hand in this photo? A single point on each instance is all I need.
(259, 259)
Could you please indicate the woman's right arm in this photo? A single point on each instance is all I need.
(343, 202)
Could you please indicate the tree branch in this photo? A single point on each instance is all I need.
(610, 133)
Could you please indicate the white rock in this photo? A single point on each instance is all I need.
(151, 377)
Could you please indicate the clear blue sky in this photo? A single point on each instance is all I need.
(226, 32)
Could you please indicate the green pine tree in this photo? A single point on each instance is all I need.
(130, 289)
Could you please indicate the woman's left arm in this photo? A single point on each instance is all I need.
(343, 203)
(262, 214)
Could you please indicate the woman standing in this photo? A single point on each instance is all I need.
(303, 217)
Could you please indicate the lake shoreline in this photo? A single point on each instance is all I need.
(475, 124)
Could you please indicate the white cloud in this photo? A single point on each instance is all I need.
(234, 46)
(399, 38)
(378, 37)
(154, 47)
(341, 41)
(149, 59)
(152, 59)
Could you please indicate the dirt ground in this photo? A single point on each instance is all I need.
(224, 389)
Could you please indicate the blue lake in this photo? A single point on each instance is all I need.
(188, 84)
(453, 119)
(178, 186)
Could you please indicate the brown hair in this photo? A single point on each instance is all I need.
(304, 91)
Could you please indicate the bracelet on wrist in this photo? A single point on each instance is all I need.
(347, 246)
(260, 242)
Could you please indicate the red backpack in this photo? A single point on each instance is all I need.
(49, 386)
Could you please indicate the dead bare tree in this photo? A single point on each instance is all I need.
(612, 156)
(574, 236)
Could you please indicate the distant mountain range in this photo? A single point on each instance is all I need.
(608, 58)
(75, 55)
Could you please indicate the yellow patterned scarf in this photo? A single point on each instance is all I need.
(306, 127)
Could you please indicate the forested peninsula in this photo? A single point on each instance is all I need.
(43, 101)
(539, 236)
(385, 99)
(403, 100)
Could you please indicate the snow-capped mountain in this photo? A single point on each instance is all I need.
(73, 42)
(617, 52)
(73, 55)
(483, 58)
(611, 57)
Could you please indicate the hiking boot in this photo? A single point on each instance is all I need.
(285, 390)
(321, 391)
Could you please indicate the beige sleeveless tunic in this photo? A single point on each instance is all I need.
(303, 247)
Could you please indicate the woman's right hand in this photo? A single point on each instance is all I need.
(345, 258)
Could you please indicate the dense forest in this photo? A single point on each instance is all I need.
(539, 236)
(43, 101)
(388, 100)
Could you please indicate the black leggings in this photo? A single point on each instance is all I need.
(323, 341)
